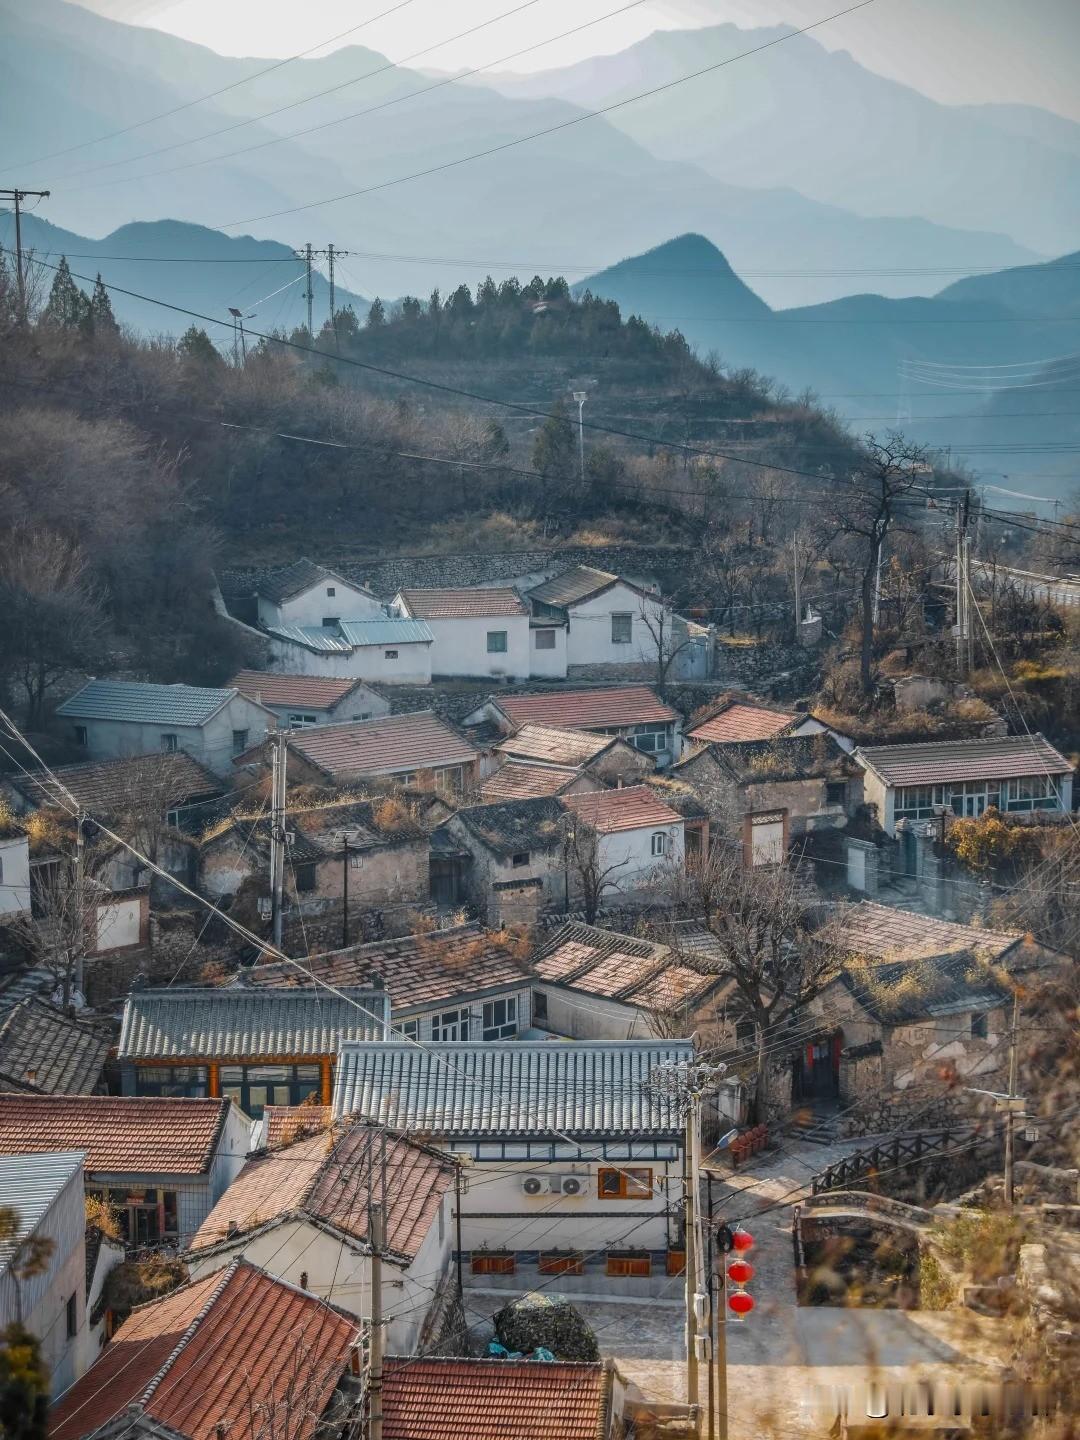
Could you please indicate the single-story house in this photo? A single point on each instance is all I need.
(517, 780)
(478, 631)
(608, 758)
(162, 1162)
(1015, 774)
(416, 748)
(386, 854)
(883, 932)
(465, 983)
(234, 1343)
(182, 788)
(553, 1184)
(432, 1398)
(506, 858)
(767, 792)
(113, 718)
(735, 718)
(44, 1050)
(633, 712)
(637, 834)
(45, 1190)
(257, 1047)
(308, 594)
(593, 984)
(302, 700)
(301, 1213)
(386, 649)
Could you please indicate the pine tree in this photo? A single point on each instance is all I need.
(101, 312)
(554, 449)
(376, 317)
(67, 307)
(196, 347)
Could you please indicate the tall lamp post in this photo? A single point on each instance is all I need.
(581, 396)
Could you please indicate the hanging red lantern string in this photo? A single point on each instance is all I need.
(740, 1303)
(740, 1272)
(742, 1240)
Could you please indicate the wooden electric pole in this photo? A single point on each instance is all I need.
(278, 791)
(1009, 1112)
(17, 197)
(376, 1235)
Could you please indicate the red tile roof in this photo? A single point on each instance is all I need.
(140, 1134)
(321, 692)
(232, 1344)
(463, 604)
(416, 740)
(740, 720)
(416, 970)
(525, 782)
(427, 1399)
(288, 1123)
(107, 786)
(936, 762)
(620, 967)
(633, 808)
(330, 1181)
(588, 709)
(554, 746)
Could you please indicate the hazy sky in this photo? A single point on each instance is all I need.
(959, 51)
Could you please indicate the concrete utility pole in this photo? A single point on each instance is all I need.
(798, 610)
(278, 788)
(376, 1234)
(963, 590)
(17, 197)
(1013, 1065)
(581, 396)
(80, 908)
(309, 294)
(691, 1223)
(345, 896)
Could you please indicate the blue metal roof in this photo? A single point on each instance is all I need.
(135, 701)
(392, 631)
(313, 637)
(519, 1087)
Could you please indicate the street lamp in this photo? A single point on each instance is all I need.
(581, 396)
(238, 325)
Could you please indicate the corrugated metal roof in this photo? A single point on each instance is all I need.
(319, 638)
(388, 745)
(193, 1023)
(634, 808)
(553, 745)
(29, 1184)
(394, 630)
(320, 692)
(138, 702)
(572, 585)
(605, 707)
(936, 762)
(523, 1087)
(463, 603)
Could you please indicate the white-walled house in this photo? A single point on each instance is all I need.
(14, 871)
(637, 834)
(116, 718)
(46, 1192)
(574, 1164)
(305, 593)
(633, 712)
(386, 649)
(301, 1214)
(302, 700)
(1015, 774)
(478, 632)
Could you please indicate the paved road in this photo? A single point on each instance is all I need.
(783, 1351)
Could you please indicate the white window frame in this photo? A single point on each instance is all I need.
(548, 637)
(409, 1028)
(302, 720)
(450, 1026)
(660, 842)
(492, 1027)
(628, 617)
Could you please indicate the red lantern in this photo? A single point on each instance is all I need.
(742, 1240)
(740, 1272)
(741, 1303)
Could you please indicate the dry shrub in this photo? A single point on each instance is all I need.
(394, 817)
(104, 1217)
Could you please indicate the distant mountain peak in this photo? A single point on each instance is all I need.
(688, 270)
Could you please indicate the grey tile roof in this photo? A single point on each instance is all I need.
(784, 757)
(138, 702)
(29, 1184)
(294, 579)
(934, 762)
(15, 988)
(99, 784)
(43, 1048)
(512, 825)
(572, 585)
(208, 1024)
(521, 1087)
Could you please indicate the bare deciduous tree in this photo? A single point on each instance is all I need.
(659, 621)
(584, 868)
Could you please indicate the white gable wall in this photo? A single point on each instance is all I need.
(411, 666)
(211, 744)
(632, 852)
(589, 639)
(461, 647)
(14, 875)
(314, 605)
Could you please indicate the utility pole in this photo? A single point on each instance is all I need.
(17, 197)
(581, 396)
(798, 607)
(345, 896)
(877, 584)
(376, 1223)
(963, 593)
(278, 789)
(690, 1222)
(309, 294)
(1013, 1063)
(80, 910)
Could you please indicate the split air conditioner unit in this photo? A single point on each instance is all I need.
(571, 1184)
(536, 1185)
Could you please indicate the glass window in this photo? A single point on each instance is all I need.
(169, 744)
(539, 1007)
(500, 1018)
(331, 591)
(835, 792)
(450, 780)
(239, 741)
(450, 1025)
(496, 642)
(409, 1028)
(390, 654)
(183, 1080)
(303, 721)
(305, 876)
(521, 858)
(545, 639)
(330, 622)
(915, 802)
(72, 1316)
(625, 1184)
(659, 842)
(622, 629)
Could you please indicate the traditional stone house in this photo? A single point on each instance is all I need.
(115, 718)
(300, 701)
(478, 631)
(387, 649)
(162, 1162)
(308, 594)
(638, 837)
(506, 858)
(301, 1212)
(383, 850)
(519, 781)
(554, 1184)
(633, 712)
(414, 749)
(1016, 774)
(465, 983)
(735, 719)
(609, 759)
(764, 793)
(256, 1047)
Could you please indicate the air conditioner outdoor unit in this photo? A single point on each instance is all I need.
(536, 1184)
(571, 1184)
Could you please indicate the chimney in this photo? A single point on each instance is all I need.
(231, 1228)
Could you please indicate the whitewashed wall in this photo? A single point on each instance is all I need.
(211, 744)
(631, 851)
(589, 640)
(365, 662)
(461, 646)
(315, 605)
(548, 664)
(14, 875)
